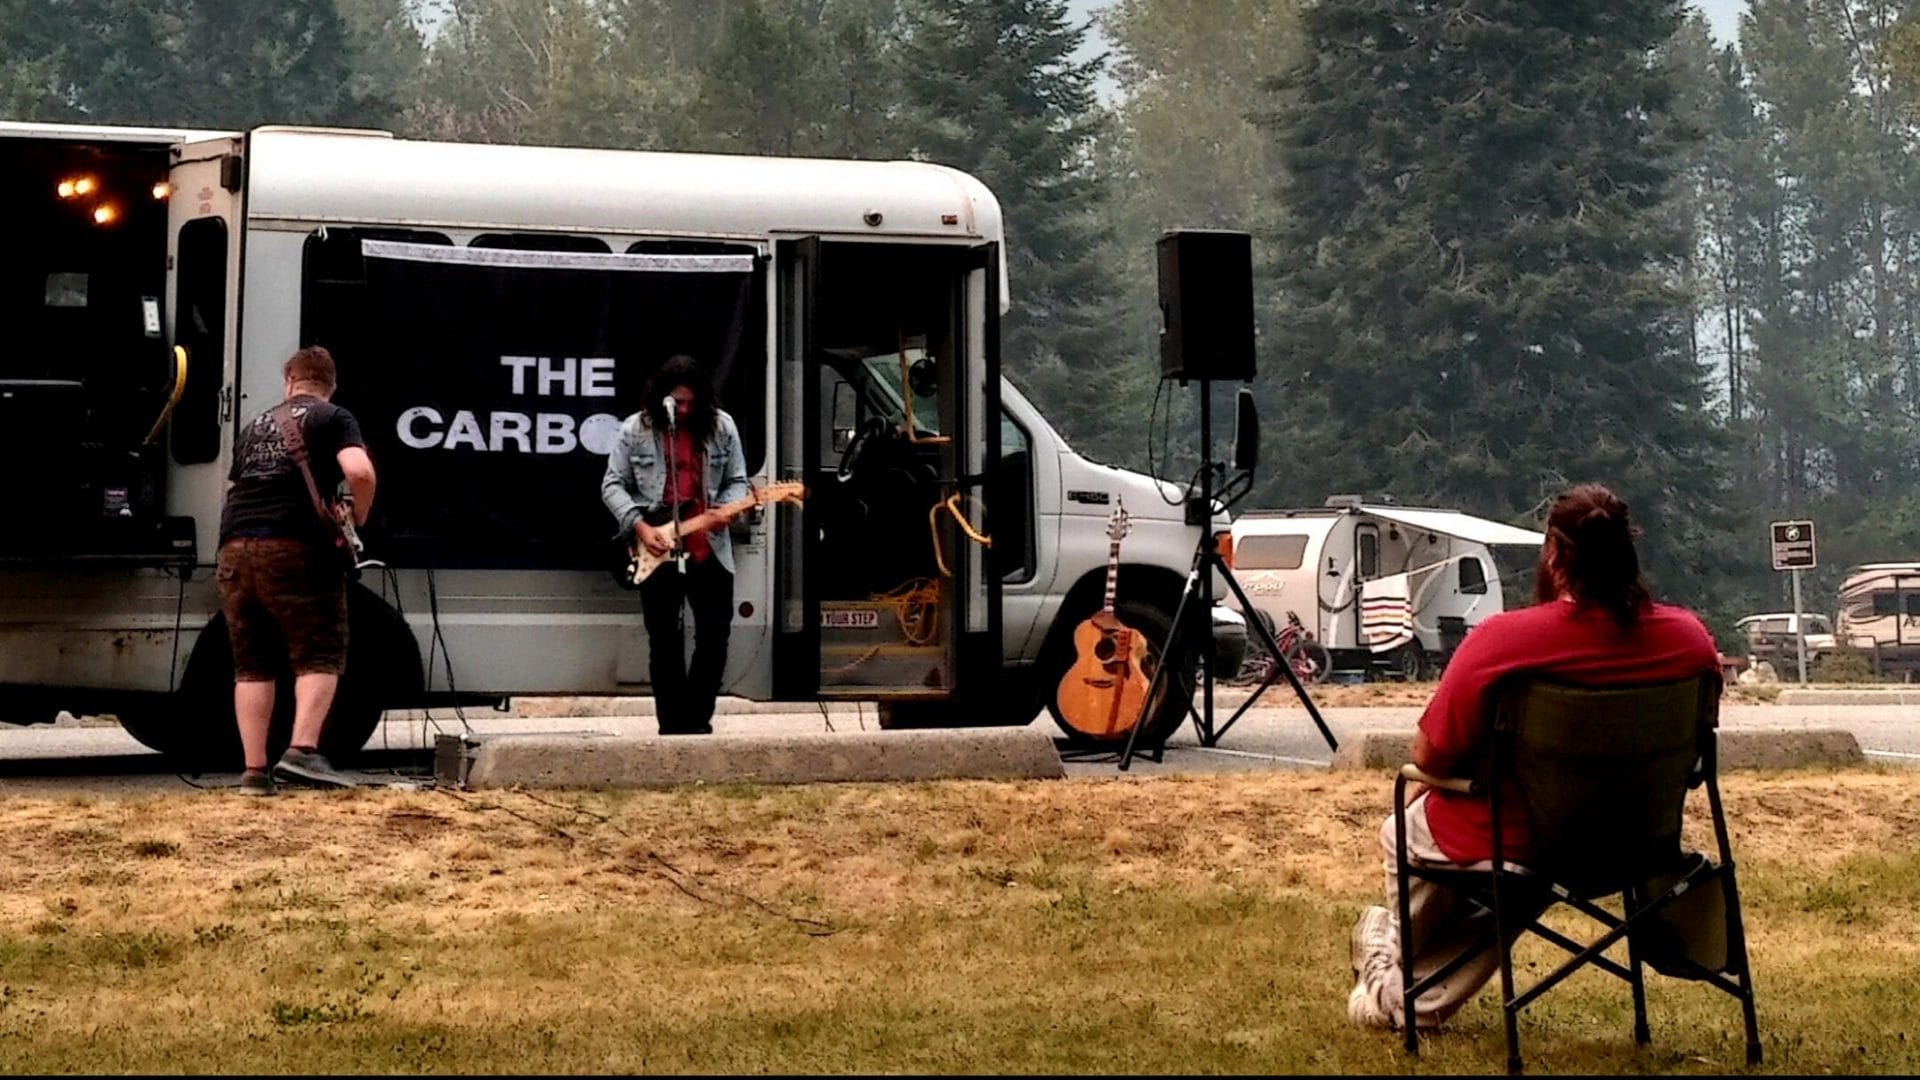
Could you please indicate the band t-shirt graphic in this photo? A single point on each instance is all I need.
(690, 480)
(269, 496)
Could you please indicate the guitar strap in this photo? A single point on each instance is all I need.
(296, 443)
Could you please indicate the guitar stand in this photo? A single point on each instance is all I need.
(1206, 561)
(1207, 557)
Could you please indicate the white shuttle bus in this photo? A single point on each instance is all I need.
(494, 312)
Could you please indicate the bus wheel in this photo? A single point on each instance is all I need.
(1176, 696)
(383, 665)
(163, 725)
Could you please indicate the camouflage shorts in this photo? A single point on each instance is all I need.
(286, 607)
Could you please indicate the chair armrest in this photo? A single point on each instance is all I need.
(1465, 787)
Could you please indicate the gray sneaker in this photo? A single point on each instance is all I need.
(310, 767)
(255, 782)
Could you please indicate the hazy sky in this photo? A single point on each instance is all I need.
(1723, 14)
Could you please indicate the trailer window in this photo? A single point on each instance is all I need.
(1369, 542)
(201, 329)
(1473, 577)
(1888, 602)
(1284, 551)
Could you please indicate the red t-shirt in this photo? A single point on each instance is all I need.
(1576, 644)
(690, 481)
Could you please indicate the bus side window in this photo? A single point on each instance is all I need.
(1013, 553)
(200, 327)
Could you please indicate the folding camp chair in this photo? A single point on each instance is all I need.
(1603, 774)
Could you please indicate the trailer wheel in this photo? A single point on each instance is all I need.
(1410, 662)
(383, 665)
(1177, 693)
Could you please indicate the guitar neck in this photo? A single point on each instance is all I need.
(1113, 574)
(728, 511)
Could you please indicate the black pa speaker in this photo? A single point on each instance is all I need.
(1206, 305)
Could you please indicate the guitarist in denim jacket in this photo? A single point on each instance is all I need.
(674, 468)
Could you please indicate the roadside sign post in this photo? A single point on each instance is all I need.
(1793, 551)
(1800, 628)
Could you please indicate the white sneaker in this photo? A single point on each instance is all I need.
(1373, 935)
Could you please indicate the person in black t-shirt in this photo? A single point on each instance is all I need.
(283, 585)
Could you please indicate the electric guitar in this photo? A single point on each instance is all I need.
(641, 563)
(1104, 694)
(349, 540)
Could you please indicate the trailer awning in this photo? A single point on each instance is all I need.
(1454, 523)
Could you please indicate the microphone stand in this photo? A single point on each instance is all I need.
(673, 487)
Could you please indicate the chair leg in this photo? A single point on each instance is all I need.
(1405, 929)
(1737, 946)
(1641, 1035)
(1507, 1009)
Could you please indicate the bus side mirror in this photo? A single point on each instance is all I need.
(1246, 431)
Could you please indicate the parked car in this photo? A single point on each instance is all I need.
(1770, 636)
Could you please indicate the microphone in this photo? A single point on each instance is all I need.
(673, 407)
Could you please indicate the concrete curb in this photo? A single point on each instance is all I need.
(651, 761)
(630, 705)
(1848, 697)
(1784, 748)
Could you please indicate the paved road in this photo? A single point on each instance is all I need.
(61, 759)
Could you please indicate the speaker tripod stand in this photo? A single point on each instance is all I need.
(1207, 562)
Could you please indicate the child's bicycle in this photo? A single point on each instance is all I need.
(1311, 661)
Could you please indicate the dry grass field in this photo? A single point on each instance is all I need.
(1108, 925)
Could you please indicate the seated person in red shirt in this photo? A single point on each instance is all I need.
(1594, 624)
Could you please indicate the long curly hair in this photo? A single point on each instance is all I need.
(680, 370)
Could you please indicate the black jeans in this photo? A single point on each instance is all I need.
(683, 693)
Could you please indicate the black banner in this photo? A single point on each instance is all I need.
(491, 384)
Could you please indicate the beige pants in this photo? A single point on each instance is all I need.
(1444, 926)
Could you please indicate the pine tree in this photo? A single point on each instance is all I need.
(811, 79)
(991, 88)
(1478, 261)
(35, 55)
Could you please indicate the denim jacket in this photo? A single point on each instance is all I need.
(636, 476)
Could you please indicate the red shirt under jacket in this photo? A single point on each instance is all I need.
(1580, 645)
(690, 477)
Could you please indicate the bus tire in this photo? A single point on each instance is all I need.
(1175, 700)
(383, 666)
(161, 726)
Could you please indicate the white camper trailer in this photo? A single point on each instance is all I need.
(1879, 613)
(1382, 586)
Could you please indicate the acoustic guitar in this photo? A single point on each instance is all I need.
(1104, 694)
(641, 563)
